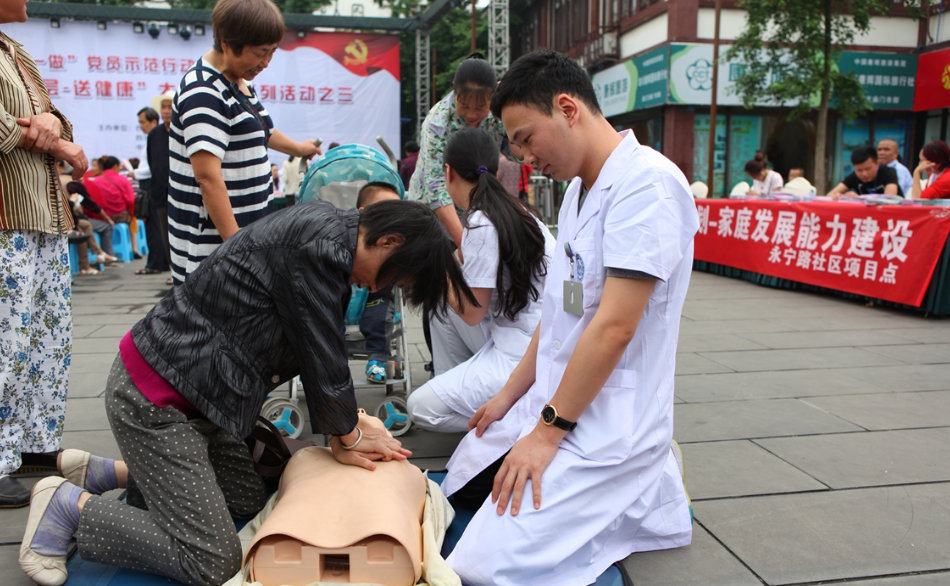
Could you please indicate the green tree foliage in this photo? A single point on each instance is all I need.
(790, 48)
(289, 6)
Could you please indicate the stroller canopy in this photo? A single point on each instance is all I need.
(338, 177)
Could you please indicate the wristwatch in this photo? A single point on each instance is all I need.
(550, 417)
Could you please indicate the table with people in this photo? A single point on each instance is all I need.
(882, 231)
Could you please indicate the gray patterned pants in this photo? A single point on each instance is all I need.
(194, 478)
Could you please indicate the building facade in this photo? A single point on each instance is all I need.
(651, 64)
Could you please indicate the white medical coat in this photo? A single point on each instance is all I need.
(613, 488)
(469, 385)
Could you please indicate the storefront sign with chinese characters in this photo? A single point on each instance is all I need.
(885, 252)
(633, 85)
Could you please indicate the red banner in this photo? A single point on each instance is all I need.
(886, 252)
(361, 54)
(933, 81)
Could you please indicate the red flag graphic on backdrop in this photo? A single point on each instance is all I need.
(885, 252)
(361, 54)
(933, 81)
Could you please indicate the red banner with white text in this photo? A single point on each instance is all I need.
(886, 252)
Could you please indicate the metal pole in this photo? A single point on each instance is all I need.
(473, 25)
(712, 102)
(423, 79)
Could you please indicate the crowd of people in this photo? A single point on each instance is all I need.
(876, 171)
(554, 355)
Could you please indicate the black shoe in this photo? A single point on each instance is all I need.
(13, 495)
(42, 462)
(136, 255)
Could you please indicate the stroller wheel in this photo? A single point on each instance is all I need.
(285, 415)
(394, 413)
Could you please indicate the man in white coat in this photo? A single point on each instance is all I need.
(583, 428)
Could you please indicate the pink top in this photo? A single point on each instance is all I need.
(156, 389)
(117, 193)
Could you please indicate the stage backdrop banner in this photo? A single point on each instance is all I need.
(886, 252)
(341, 87)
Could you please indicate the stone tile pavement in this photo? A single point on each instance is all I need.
(816, 433)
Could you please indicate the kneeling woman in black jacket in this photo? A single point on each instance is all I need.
(191, 377)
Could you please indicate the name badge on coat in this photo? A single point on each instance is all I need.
(573, 290)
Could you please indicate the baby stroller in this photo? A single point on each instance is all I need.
(337, 179)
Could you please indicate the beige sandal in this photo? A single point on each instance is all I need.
(44, 570)
(88, 272)
(106, 258)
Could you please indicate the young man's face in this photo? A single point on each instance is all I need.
(544, 140)
(866, 171)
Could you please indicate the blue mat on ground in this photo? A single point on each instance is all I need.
(82, 573)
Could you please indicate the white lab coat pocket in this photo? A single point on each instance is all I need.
(604, 433)
(588, 269)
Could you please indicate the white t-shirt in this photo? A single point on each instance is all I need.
(771, 182)
(480, 253)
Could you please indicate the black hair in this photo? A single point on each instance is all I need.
(411, 147)
(150, 114)
(754, 167)
(862, 154)
(474, 77)
(536, 78)
(371, 189)
(108, 162)
(520, 241)
(424, 263)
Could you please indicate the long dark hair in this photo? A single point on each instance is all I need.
(474, 154)
(424, 259)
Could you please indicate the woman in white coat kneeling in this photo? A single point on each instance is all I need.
(505, 252)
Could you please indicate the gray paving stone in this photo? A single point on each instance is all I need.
(771, 385)
(704, 562)
(83, 331)
(926, 377)
(689, 363)
(103, 319)
(730, 326)
(871, 321)
(715, 342)
(13, 521)
(84, 385)
(100, 443)
(99, 363)
(11, 573)
(796, 359)
(701, 422)
(938, 334)
(890, 410)
(937, 579)
(114, 331)
(86, 415)
(828, 339)
(869, 459)
(835, 535)
(916, 354)
(426, 444)
(740, 468)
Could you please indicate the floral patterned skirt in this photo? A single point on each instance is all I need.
(36, 331)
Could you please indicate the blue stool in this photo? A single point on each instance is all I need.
(143, 241)
(122, 241)
(74, 257)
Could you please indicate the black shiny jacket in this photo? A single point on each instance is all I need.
(267, 305)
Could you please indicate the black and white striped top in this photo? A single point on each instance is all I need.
(206, 116)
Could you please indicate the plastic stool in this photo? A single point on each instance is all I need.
(74, 256)
(143, 241)
(122, 242)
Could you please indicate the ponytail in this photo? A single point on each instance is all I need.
(474, 154)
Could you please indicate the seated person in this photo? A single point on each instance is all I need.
(764, 180)
(506, 253)
(795, 173)
(376, 324)
(934, 160)
(118, 197)
(868, 177)
(583, 428)
(191, 377)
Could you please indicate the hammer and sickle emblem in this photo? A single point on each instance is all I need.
(356, 53)
(945, 78)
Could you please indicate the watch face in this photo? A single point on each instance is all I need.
(548, 414)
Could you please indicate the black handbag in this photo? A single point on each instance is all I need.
(141, 204)
(270, 450)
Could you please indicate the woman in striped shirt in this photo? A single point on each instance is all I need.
(220, 177)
